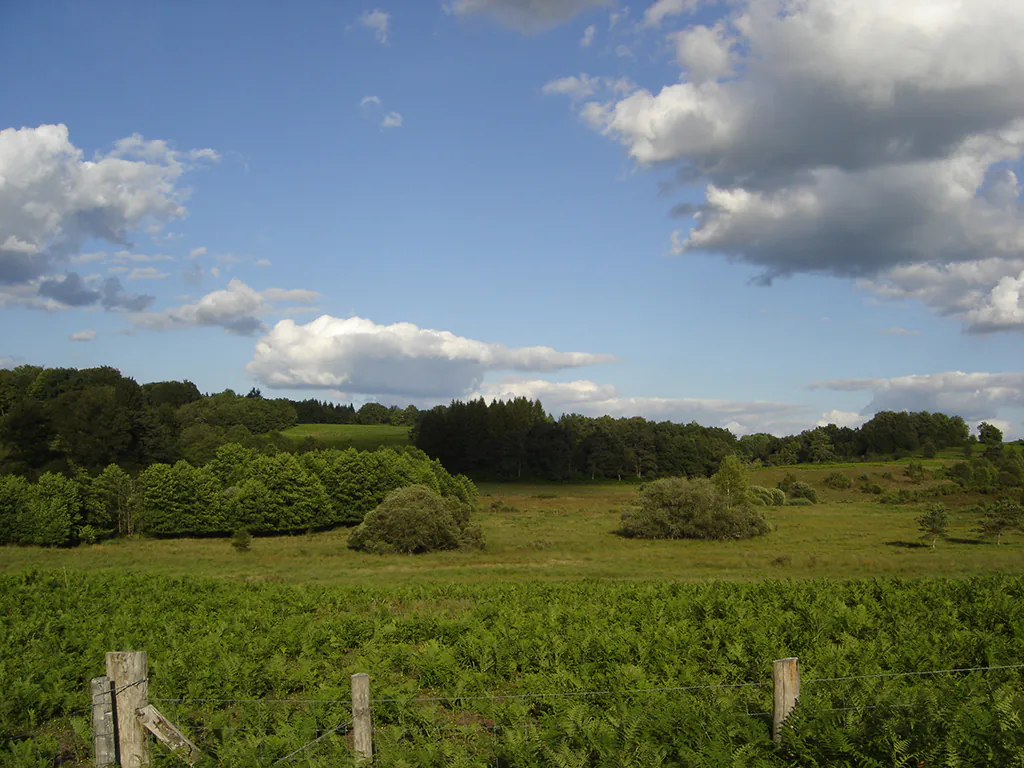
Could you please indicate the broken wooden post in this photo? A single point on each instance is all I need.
(165, 731)
(786, 683)
(104, 743)
(362, 722)
(127, 670)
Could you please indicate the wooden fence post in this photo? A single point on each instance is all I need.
(786, 684)
(128, 671)
(362, 722)
(104, 736)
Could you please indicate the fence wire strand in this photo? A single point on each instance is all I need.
(313, 742)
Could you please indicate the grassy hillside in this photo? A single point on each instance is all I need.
(363, 437)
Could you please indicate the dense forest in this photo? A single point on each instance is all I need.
(57, 419)
(66, 420)
(517, 439)
(239, 489)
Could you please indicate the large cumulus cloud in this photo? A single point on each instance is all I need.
(238, 309)
(53, 200)
(845, 138)
(359, 356)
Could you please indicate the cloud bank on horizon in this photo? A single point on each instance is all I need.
(877, 144)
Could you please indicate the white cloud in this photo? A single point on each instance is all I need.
(529, 16)
(378, 21)
(237, 309)
(88, 335)
(975, 396)
(664, 9)
(588, 36)
(704, 53)
(845, 138)
(592, 399)
(584, 86)
(300, 295)
(359, 356)
(1003, 310)
(368, 100)
(53, 200)
(147, 273)
(574, 87)
(841, 419)
(196, 252)
(978, 292)
(391, 120)
(262, 263)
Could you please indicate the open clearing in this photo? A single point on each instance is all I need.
(363, 437)
(558, 532)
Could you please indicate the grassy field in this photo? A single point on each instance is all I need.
(561, 532)
(363, 437)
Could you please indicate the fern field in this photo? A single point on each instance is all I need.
(527, 674)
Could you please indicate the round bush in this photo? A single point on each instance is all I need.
(766, 497)
(801, 490)
(838, 480)
(677, 508)
(413, 520)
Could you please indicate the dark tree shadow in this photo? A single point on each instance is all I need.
(908, 544)
(966, 541)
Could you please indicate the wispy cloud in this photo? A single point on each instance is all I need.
(379, 21)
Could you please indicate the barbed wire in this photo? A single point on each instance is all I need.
(314, 741)
(908, 674)
(572, 694)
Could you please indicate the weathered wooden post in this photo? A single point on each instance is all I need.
(786, 684)
(128, 671)
(362, 721)
(104, 745)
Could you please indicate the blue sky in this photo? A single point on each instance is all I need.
(448, 187)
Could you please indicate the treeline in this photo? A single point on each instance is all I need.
(518, 439)
(56, 419)
(239, 489)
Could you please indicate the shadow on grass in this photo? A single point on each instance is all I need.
(908, 544)
(966, 541)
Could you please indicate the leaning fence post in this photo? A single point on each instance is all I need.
(362, 722)
(786, 684)
(127, 670)
(103, 734)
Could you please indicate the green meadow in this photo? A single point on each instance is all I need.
(566, 532)
(362, 437)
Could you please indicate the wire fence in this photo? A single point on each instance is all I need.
(440, 715)
(300, 727)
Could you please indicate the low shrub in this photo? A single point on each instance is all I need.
(838, 481)
(800, 490)
(786, 483)
(241, 540)
(678, 508)
(766, 497)
(414, 520)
